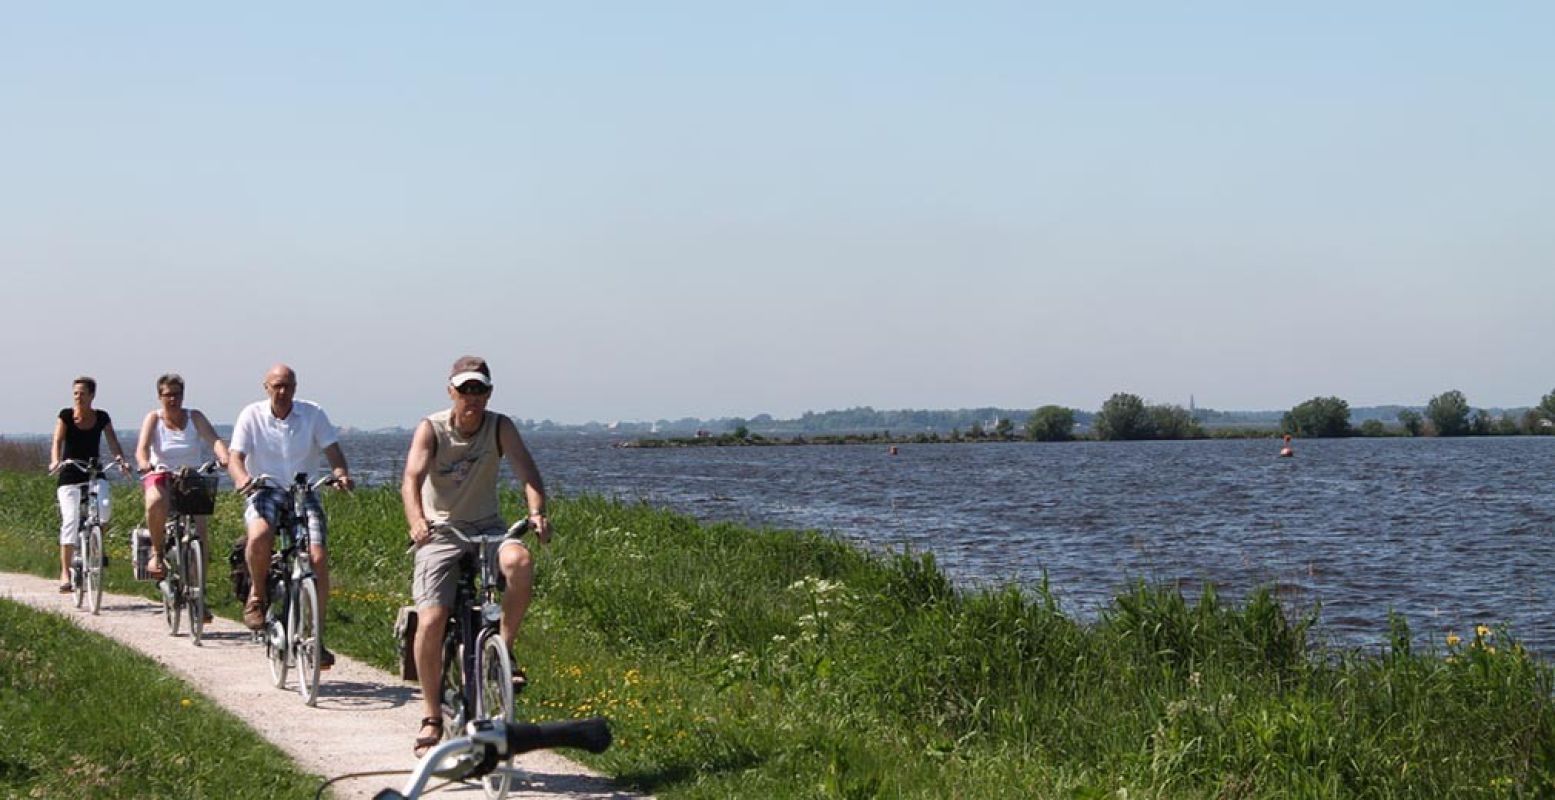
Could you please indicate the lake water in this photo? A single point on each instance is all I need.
(1449, 532)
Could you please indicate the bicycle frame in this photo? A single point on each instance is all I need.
(181, 546)
(289, 580)
(477, 612)
(86, 573)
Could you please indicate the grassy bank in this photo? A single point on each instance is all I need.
(81, 716)
(741, 663)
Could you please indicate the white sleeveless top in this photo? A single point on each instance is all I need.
(172, 448)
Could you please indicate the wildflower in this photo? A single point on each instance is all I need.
(1482, 631)
(1453, 640)
(186, 702)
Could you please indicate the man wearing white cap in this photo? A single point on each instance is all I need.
(451, 476)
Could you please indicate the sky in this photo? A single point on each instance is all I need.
(638, 211)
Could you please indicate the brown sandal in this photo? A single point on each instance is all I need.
(425, 743)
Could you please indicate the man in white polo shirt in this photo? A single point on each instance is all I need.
(281, 437)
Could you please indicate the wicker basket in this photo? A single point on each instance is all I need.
(194, 494)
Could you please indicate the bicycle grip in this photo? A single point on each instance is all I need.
(592, 734)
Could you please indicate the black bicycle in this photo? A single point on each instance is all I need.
(292, 634)
(86, 570)
(183, 588)
(477, 669)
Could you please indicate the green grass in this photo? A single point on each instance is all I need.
(744, 663)
(82, 716)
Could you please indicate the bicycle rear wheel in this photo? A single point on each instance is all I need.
(495, 668)
(308, 640)
(92, 566)
(451, 701)
(276, 649)
(194, 589)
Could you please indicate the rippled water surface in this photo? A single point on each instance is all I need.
(1449, 532)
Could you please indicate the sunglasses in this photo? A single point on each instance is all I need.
(472, 387)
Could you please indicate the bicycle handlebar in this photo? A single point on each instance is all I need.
(500, 740)
(255, 481)
(518, 528)
(88, 466)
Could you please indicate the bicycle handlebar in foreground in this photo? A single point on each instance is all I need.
(499, 740)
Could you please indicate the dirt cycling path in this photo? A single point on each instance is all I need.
(365, 719)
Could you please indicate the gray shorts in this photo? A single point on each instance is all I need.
(436, 578)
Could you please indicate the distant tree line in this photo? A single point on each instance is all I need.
(1126, 416)
(1446, 414)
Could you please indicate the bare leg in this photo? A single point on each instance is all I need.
(261, 543)
(518, 569)
(321, 577)
(156, 520)
(431, 621)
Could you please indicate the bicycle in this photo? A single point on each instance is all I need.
(488, 742)
(183, 587)
(477, 680)
(292, 631)
(86, 571)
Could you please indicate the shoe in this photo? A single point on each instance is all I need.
(66, 588)
(254, 614)
(207, 618)
(326, 658)
(157, 569)
(425, 743)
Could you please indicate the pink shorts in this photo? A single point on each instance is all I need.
(156, 478)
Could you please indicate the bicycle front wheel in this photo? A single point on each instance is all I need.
(92, 566)
(169, 586)
(194, 589)
(307, 640)
(495, 668)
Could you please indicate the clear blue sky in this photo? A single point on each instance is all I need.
(645, 210)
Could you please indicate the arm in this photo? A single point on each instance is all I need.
(207, 432)
(113, 445)
(237, 469)
(337, 463)
(143, 445)
(525, 470)
(57, 449)
(417, 463)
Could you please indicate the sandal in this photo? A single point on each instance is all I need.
(157, 569)
(66, 588)
(425, 743)
(520, 680)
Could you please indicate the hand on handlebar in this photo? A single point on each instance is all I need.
(541, 525)
(420, 532)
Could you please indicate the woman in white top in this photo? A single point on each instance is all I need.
(171, 437)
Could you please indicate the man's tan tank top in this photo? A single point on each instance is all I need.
(461, 485)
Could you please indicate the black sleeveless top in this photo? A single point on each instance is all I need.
(80, 443)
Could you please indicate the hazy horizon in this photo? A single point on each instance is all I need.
(696, 209)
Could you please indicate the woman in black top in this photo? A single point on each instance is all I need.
(78, 435)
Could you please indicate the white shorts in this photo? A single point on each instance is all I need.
(70, 509)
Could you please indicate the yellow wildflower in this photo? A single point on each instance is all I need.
(1453, 640)
(1482, 631)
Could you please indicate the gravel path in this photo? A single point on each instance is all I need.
(365, 719)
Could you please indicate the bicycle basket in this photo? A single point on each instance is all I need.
(194, 494)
